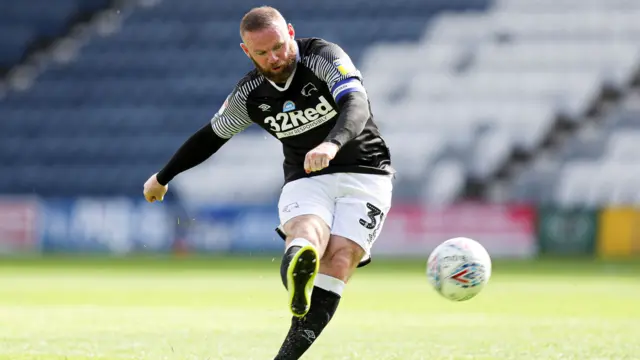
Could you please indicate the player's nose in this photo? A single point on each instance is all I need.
(273, 58)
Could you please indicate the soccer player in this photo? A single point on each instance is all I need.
(338, 175)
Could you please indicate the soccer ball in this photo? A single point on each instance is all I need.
(459, 268)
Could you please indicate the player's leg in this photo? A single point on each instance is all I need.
(358, 220)
(340, 260)
(307, 239)
(306, 210)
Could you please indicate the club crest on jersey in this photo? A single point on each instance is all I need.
(293, 122)
(308, 89)
(288, 106)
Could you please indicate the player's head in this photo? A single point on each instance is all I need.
(269, 42)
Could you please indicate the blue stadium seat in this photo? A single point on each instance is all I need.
(92, 5)
(14, 40)
(73, 180)
(23, 22)
(87, 150)
(46, 17)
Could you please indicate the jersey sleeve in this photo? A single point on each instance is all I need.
(232, 117)
(332, 65)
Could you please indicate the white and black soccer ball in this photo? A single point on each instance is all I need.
(459, 268)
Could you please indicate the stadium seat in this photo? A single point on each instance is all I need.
(585, 25)
(595, 167)
(535, 184)
(444, 184)
(623, 147)
(413, 153)
(613, 61)
(565, 5)
(237, 183)
(14, 41)
(491, 151)
(23, 23)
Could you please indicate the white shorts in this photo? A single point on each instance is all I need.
(353, 205)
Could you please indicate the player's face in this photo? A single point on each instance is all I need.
(273, 51)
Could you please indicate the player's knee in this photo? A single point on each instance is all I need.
(340, 262)
(308, 227)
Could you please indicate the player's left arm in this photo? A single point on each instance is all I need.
(332, 65)
(345, 82)
(354, 113)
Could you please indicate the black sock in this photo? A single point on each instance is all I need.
(304, 331)
(286, 260)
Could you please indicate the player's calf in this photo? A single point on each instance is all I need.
(304, 331)
(341, 258)
(337, 265)
(307, 238)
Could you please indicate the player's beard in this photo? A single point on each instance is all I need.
(279, 77)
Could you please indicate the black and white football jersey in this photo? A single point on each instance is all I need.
(301, 113)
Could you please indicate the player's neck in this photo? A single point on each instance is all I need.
(284, 86)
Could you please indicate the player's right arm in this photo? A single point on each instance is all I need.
(231, 119)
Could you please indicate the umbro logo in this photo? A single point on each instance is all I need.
(264, 107)
(309, 335)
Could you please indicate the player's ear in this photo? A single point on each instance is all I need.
(245, 49)
(292, 32)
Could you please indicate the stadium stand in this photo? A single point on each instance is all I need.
(27, 25)
(497, 87)
(598, 166)
(505, 100)
(154, 73)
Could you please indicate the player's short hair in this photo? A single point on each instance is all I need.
(260, 18)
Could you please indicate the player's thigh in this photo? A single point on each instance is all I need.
(362, 208)
(306, 209)
(341, 258)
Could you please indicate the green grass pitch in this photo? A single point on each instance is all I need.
(222, 308)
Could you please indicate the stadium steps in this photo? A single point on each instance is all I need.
(495, 187)
(30, 29)
(616, 64)
(38, 35)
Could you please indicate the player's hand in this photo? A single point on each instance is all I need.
(319, 158)
(153, 191)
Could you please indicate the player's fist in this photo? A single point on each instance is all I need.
(319, 158)
(153, 190)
